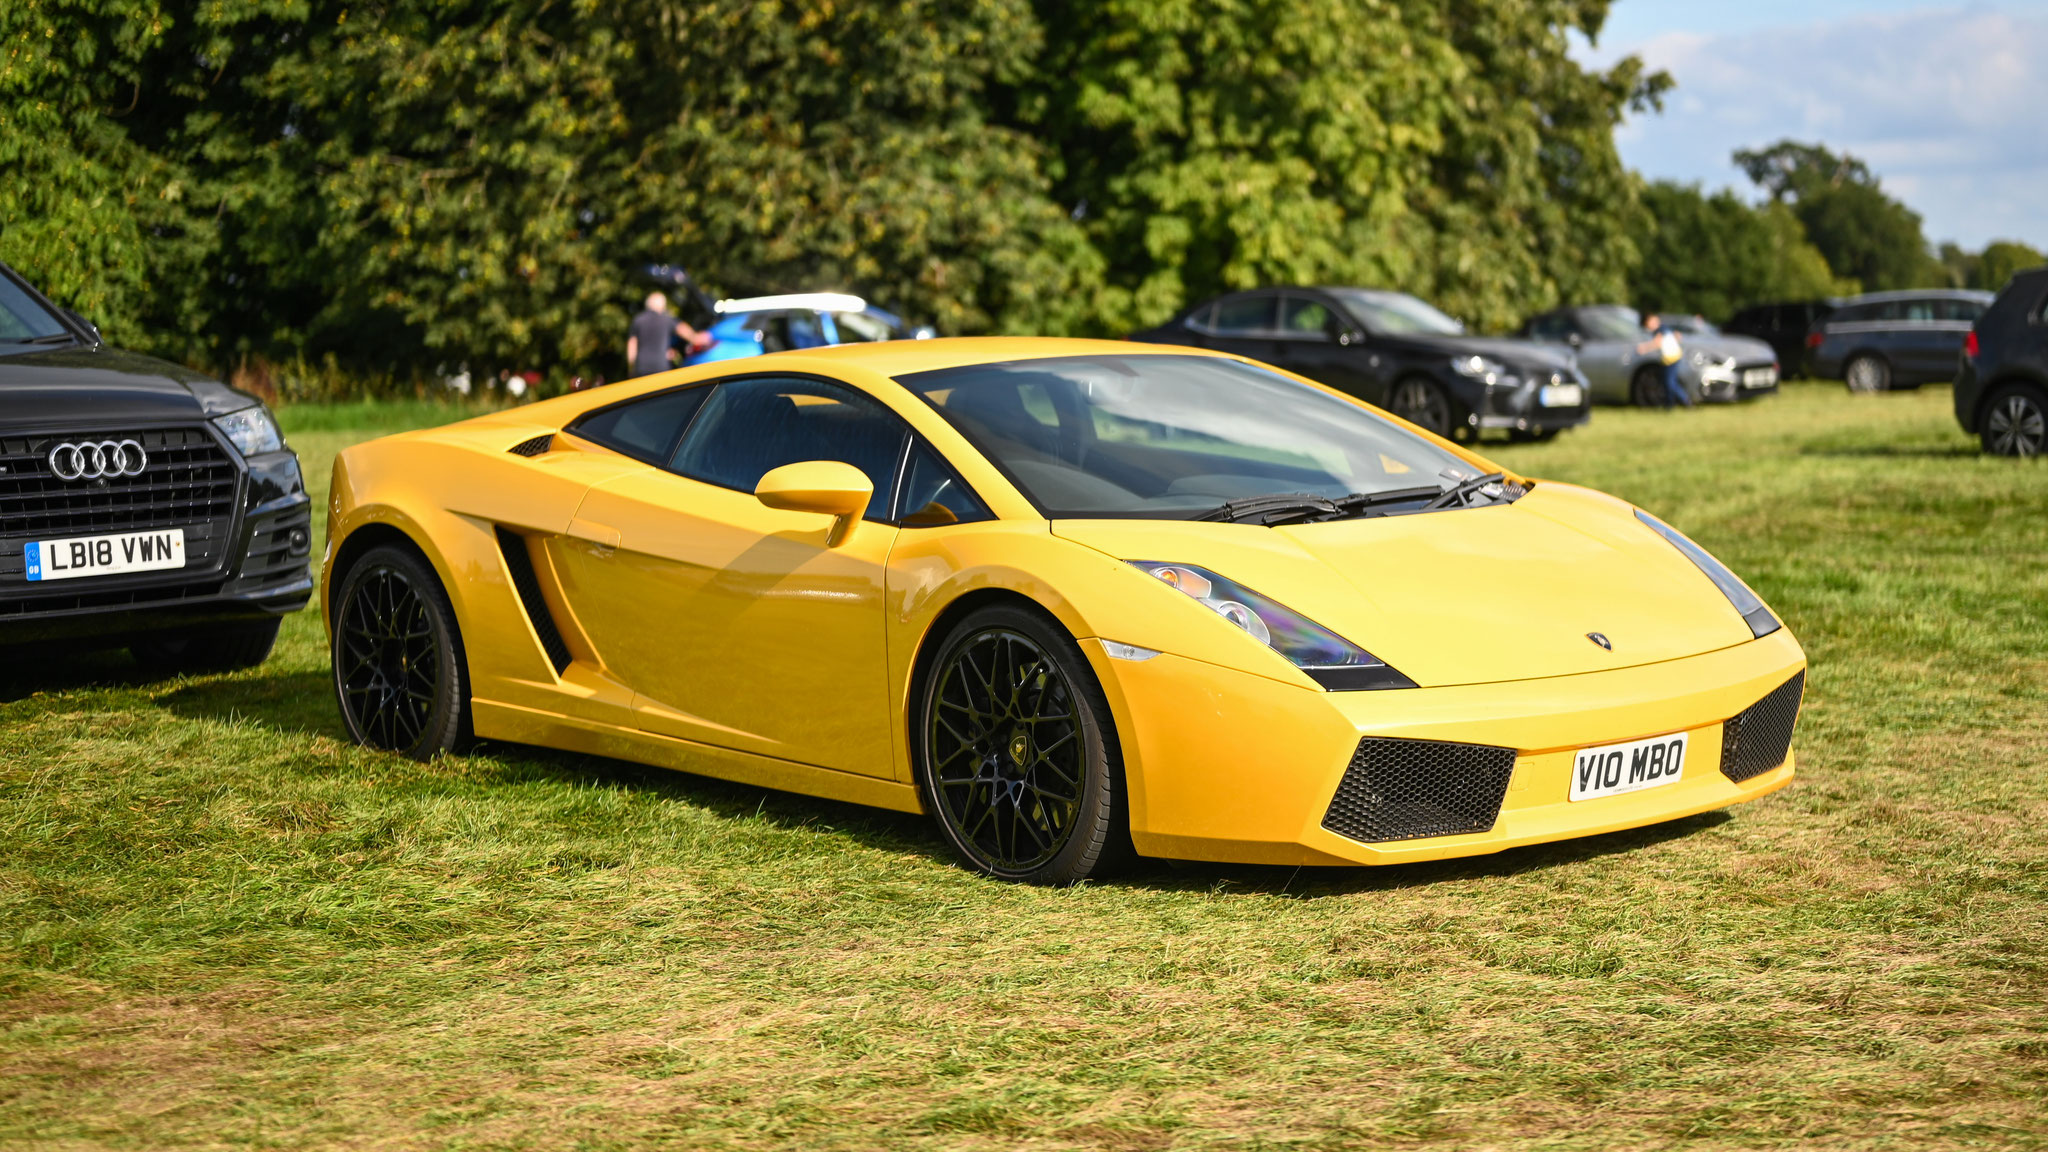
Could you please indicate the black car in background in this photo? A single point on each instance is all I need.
(140, 504)
(1894, 339)
(1784, 327)
(1395, 351)
(2002, 382)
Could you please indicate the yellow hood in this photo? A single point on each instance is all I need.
(1476, 596)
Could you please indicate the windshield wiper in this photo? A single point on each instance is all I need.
(52, 338)
(1301, 508)
(1460, 495)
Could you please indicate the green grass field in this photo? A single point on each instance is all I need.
(222, 926)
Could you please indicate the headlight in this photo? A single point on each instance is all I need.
(1329, 659)
(1758, 617)
(1478, 367)
(251, 431)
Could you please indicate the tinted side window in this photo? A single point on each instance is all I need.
(1304, 319)
(1917, 311)
(932, 495)
(751, 427)
(1966, 310)
(1201, 319)
(1245, 316)
(1556, 329)
(647, 428)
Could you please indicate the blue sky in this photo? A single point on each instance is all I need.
(1948, 103)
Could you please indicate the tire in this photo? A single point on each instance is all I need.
(399, 672)
(224, 648)
(1421, 402)
(1646, 388)
(1866, 373)
(2015, 422)
(1016, 752)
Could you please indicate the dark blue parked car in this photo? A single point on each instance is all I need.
(1894, 339)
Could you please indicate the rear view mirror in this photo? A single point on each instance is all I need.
(826, 487)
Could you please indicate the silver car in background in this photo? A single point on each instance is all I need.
(1716, 367)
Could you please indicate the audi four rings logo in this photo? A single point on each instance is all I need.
(98, 461)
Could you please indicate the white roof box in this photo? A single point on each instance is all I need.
(815, 301)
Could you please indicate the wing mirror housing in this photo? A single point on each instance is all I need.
(1574, 339)
(827, 487)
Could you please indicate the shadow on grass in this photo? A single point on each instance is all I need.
(286, 702)
(26, 671)
(1894, 451)
(908, 834)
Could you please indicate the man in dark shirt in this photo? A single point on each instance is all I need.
(653, 335)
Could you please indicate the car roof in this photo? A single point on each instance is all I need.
(816, 301)
(902, 357)
(1978, 295)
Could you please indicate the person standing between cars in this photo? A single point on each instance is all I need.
(652, 338)
(1663, 343)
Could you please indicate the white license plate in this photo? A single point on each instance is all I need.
(1759, 378)
(106, 555)
(1560, 396)
(1613, 769)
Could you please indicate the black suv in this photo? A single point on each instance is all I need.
(140, 504)
(1395, 351)
(2002, 384)
(1890, 340)
(1784, 327)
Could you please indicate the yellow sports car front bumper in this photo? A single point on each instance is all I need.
(1227, 765)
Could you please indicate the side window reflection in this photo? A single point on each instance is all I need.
(751, 427)
(932, 495)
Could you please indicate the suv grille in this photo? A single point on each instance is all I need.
(1758, 739)
(1409, 789)
(191, 482)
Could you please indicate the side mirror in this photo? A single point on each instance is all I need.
(827, 487)
(1574, 339)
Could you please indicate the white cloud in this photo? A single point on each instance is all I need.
(1945, 105)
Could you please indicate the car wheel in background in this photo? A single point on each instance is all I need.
(1016, 751)
(223, 648)
(399, 672)
(2016, 421)
(1646, 388)
(1867, 373)
(1420, 402)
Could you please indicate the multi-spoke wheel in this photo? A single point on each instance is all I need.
(1420, 402)
(1867, 373)
(1017, 754)
(398, 668)
(2016, 422)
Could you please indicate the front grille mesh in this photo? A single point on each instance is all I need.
(1760, 737)
(190, 478)
(1408, 789)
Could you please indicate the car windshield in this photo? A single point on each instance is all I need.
(1611, 324)
(1172, 436)
(1397, 314)
(21, 317)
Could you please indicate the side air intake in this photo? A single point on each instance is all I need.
(534, 447)
(1758, 738)
(1408, 789)
(527, 583)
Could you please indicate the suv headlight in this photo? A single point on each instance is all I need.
(1754, 613)
(252, 431)
(1328, 659)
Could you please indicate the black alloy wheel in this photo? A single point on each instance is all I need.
(1421, 403)
(1867, 373)
(398, 666)
(2016, 422)
(1017, 755)
(1646, 388)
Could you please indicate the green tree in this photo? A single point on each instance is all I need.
(1862, 232)
(1452, 149)
(1713, 255)
(2000, 259)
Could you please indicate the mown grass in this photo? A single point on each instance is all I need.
(222, 926)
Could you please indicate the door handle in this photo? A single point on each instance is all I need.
(589, 531)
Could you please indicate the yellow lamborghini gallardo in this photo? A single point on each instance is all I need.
(1073, 599)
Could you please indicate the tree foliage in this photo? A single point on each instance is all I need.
(394, 183)
(1713, 255)
(1863, 233)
